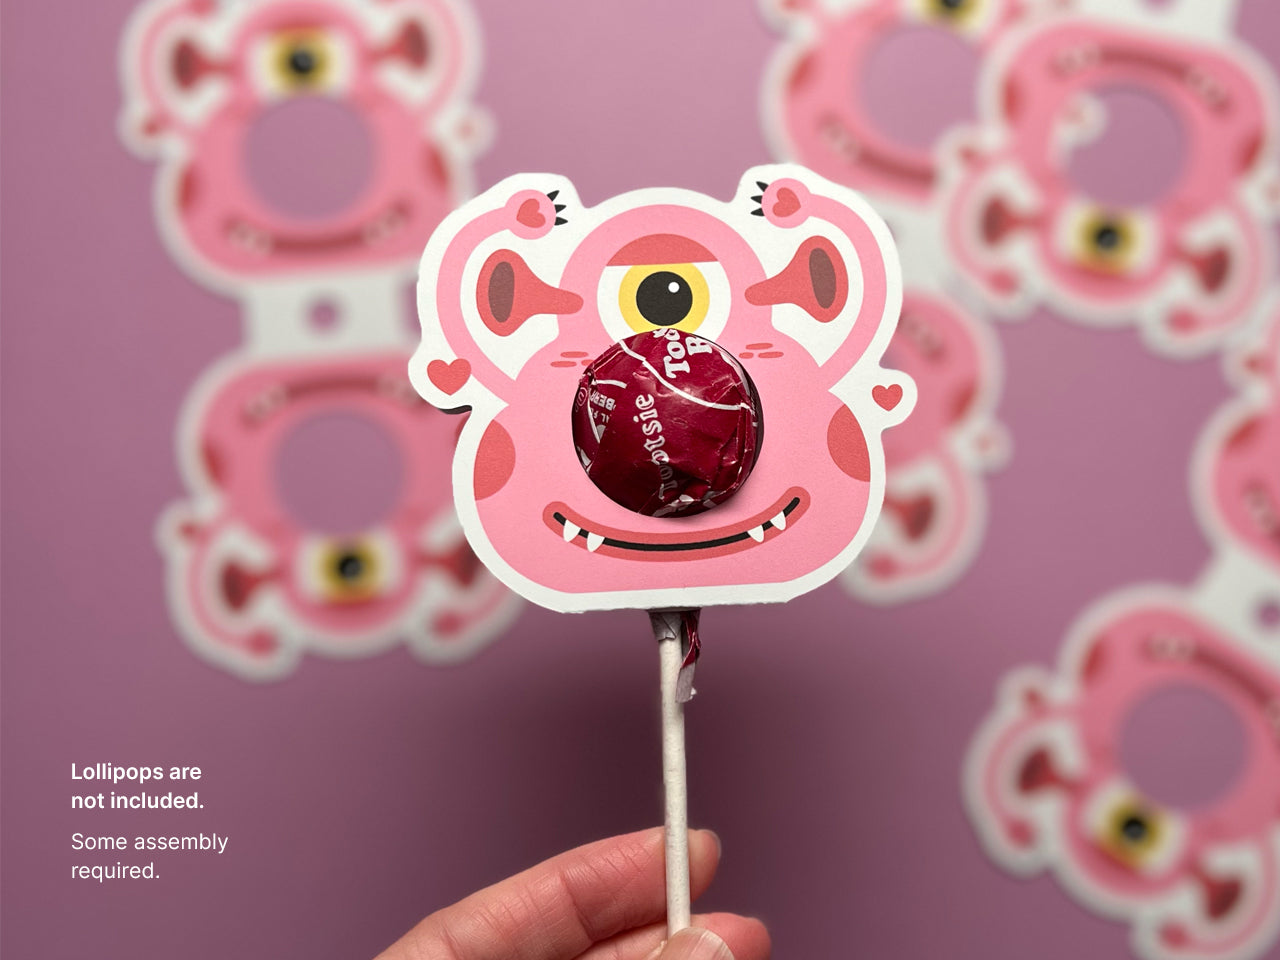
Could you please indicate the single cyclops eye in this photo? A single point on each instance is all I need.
(349, 566)
(664, 298)
(1107, 241)
(349, 572)
(1133, 833)
(666, 295)
(1135, 828)
(301, 60)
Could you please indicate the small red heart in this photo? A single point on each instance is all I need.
(785, 203)
(449, 377)
(529, 215)
(888, 397)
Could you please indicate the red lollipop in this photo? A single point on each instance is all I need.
(667, 424)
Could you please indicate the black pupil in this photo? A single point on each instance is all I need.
(664, 298)
(1134, 828)
(302, 61)
(350, 566)
(1107, 236)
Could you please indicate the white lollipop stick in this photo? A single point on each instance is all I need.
(667, 631)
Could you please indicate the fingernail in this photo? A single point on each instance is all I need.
(694, 943)
(719, 845)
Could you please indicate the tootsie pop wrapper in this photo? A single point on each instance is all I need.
(667, 423)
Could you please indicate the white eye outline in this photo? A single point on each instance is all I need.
(340, 63)
(193, 105)
(1099, 812)
(719, 299)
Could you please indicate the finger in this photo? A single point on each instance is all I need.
(746, 938)
(559, 908)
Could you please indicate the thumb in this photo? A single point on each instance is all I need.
(694, 943)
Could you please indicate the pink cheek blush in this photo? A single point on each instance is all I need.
(667, 424)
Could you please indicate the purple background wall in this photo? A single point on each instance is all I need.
(825, 744)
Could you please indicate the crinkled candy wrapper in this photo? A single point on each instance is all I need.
(667, 423)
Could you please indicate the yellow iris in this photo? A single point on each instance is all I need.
(959, 12)
(1107, 242)
(1132, 833)
(301, 59)
(349, 572)
(664, 295)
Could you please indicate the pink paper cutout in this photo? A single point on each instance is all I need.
(935, 501)
(255, 580)
(369, 100)
(1047, 789)
(1187, 265)
(817, 102)
(543, 527)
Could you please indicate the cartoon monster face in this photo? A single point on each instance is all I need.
(299, 135)
(1105, 773)
(803, 293)
(823, 93)
(1172, 234)
(322, 520)
(934, 502)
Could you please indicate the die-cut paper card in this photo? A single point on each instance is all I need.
(523, 287)
(321, 520)
(845, 94)
(302, 136)
(935, 504)
(1236, 487)
(1123, 170)
(1145, 773)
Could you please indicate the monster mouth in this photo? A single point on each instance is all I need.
(597, 538)
(376, 231)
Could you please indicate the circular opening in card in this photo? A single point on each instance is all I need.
(309, 158)
(916, 83)
(1183, 746)
(324, 316)
(1131, 150)
(339, 473)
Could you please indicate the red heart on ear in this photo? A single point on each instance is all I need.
(888, 397)
(450, 377)
(785, 203)
(529, 215)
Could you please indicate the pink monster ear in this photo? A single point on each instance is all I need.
(815, 280)
(190, 67)
(161, 61)
(411, 46)
(508, 293)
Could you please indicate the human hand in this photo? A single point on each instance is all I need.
(602, 901)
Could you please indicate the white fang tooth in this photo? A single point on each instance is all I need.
(780, 521)
(756, 533)
(571, 530)
(593, 541)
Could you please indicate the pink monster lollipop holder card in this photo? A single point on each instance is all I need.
(306, 150)
(523, 287)
(1145, 770)
(1039, 208)
(302, 137)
